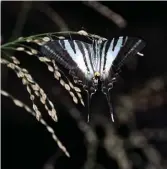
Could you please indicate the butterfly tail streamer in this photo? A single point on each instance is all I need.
(106, 92)
(88, 106)
(111, 110)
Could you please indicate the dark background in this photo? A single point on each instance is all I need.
(25, 143)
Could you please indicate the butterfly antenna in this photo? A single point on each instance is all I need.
(70, 36)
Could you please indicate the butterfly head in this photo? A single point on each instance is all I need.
(96, 75)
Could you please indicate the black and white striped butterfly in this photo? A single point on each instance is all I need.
(93, 63)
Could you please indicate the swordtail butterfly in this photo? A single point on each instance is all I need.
(93, 60)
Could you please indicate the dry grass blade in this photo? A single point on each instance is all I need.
(41, 120)
(52, 67)
(57, 75)
(32, 86)
(137, 139)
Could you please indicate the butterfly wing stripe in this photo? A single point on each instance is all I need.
(94, 51)
(95, 55)
(81, 47)
(112, 54)
(46, 50)
(103, 57)
(89, 49)
(99, 56)
(80, 59)
(72, 45)
(61, 43)
(109, 44)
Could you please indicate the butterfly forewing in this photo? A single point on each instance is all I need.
(72, 54)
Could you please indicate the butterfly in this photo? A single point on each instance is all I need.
(94, 63)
